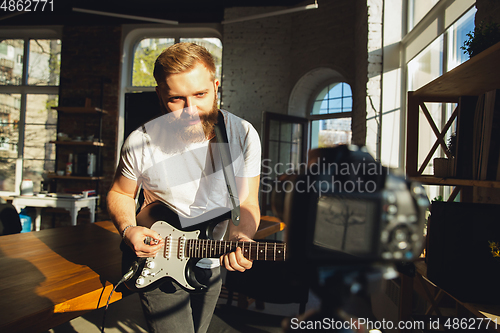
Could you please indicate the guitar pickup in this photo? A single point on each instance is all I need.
(168, 247)
(180, 248)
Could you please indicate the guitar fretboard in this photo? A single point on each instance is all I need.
(207, 248)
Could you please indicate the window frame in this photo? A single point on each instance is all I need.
(26, 34)
(336, 115)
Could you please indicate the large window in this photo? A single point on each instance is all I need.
(29, 79)
(331, 116)
(440, 56)
(431, 63)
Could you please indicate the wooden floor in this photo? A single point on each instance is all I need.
(126, 316)
(52, 276)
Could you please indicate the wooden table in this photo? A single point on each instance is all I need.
(73, 205)
(54, 275)
(51, 276)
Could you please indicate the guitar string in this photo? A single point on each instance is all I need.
(204, 248)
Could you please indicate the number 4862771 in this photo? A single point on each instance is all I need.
(27, 5)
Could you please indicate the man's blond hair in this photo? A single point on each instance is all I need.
(182, 57)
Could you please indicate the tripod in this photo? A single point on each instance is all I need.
(344, 292)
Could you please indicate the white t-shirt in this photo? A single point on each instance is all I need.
(188, 176)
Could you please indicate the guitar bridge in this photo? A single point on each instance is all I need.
(180, 248)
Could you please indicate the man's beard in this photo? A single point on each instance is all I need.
(200, 131)
(204, 129)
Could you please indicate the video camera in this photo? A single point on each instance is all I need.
(344, 207)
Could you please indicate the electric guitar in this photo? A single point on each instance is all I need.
(184, 247)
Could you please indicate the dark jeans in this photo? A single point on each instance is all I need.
(169, 308)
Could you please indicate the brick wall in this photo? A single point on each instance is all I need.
(263, 59)
(361, 74)
(374, 48)
(90, 68)
(256, 64)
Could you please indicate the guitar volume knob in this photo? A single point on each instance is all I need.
(145, 272)
(139, 281)
(150, 264)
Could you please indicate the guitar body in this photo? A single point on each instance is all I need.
(171, 262)
(185, 246)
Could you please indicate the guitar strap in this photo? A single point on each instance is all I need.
(227, 167)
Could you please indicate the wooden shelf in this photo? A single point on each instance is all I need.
(432, 180)
(472, 78)
(55, 176)
(78, 143)
(70, 109)
(425, 287)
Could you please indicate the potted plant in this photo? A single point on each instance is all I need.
(443, 166)
(483, 36)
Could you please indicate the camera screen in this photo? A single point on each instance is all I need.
(345, 225)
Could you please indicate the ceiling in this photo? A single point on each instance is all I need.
(183, 11)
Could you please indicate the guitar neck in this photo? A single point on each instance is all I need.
(207, 248)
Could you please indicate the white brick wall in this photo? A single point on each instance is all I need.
(264, 59)
(256, 64)
(373, 87)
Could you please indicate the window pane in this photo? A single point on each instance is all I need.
(330, 132)
(335, 91)
(426, 66)
(275, 130)
(457, 34)
(40, 128)
(145, 55)
(287, 143)
(10, 105)
(316, 107)
(335, 105)
(347, 104)
(286, 132)
(417, 9)
(11, 61)
(44, 62)
(284, 157)
(214, 46)
(296, 156)
(334, 98)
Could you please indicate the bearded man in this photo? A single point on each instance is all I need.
(172, 158)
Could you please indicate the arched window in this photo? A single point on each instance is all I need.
(148, 49)
(331, 116)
